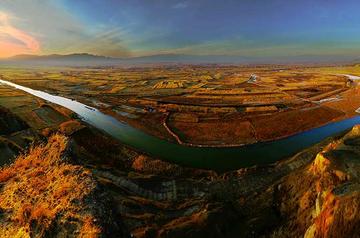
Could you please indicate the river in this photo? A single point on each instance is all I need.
(220, 159)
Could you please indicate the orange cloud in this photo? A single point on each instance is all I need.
(14, 41)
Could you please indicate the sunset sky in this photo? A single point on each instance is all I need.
(121, 28)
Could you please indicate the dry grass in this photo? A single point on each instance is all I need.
(41, 192)
(169, 84)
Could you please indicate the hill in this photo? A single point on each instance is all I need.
(85, 59)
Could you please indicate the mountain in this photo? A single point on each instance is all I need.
(82, 56)
(89, 59)
(182, 58)
(85, 59)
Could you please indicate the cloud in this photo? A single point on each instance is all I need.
(60, 30)
(105, 42)
(13, 40)
(180, 5)
(249, 48)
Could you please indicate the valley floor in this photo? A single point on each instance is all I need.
(75, 180)
(207, 105)
(314, 193)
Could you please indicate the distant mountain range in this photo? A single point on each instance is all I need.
(67, 60)
(83, 56)
(89, 59)
(85, 59)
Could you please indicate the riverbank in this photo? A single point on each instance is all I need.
(142, 196)
(237, 157)
(213, 106)
(203, 157)
(152, 198)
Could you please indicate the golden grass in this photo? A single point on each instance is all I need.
(169, 84)
(40, 191)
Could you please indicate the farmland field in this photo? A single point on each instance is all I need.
(207, 105)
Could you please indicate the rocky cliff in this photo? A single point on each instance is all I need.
(89, 185)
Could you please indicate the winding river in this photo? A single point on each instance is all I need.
(220, 159)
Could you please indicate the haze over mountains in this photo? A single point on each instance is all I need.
(90, 59)
(85, 59)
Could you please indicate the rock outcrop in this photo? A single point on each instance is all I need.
(322, 199)
(96, 187)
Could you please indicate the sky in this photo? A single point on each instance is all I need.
(128, 28)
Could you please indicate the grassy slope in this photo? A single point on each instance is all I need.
(43, 195)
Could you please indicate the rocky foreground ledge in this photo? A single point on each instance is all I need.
(55, 191)
(43, 195)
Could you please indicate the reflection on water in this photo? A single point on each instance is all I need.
(205, 157)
